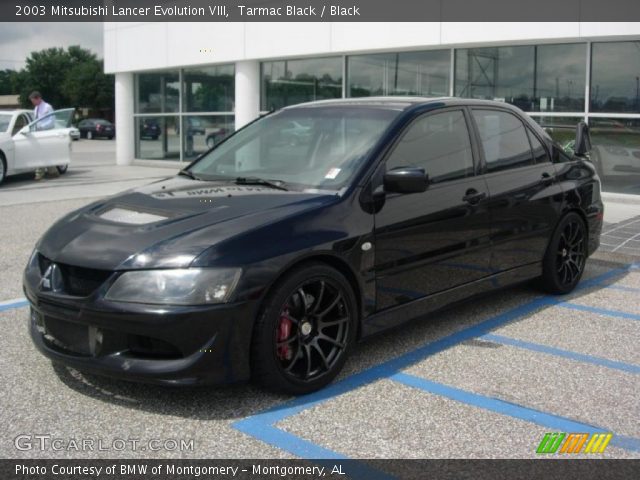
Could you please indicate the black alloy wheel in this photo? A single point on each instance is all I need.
(305, 333)
(566, 256)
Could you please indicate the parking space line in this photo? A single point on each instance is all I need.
(306, 449)
(261, 425)
(623, 288)
(580, 357)
(554, 422)
(598, 310)
(11, 304)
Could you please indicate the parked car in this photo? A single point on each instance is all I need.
(215, 136)
(96, 127)
(150, 128)
(26, 145)
(268, 260)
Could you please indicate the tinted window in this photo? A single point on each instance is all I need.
(438, 143)
(504, 140)
(539, 152)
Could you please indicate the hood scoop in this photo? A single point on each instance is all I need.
(130, 216)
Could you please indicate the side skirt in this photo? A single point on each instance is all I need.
(395, 316)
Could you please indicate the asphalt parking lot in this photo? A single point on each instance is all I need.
(487, 378)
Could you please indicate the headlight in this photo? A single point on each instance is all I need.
(187, 286)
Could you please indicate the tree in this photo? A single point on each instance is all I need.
(10, 81)
(87, 86)
(67, 78)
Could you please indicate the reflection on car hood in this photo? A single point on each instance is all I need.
(167, 223)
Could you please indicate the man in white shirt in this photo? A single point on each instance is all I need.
(41, 110)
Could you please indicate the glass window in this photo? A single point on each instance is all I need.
(540, 154)
(408, 73)
(158, 92)
(616, 153)
(21, 122)
(201, 133)
(497, 73)
(157, 138)
(5, 121)
(504, 140)
(560, 77)
(561, 129)
(287, 82)
(209, 89)
(439, 143)
(316, 148)
(615, 77)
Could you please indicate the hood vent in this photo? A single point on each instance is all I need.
(131, 217)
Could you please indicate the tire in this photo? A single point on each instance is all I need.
(566, 256)
(211, 142)
(299, 346)
(89, 135)
(62, 169)
(110, 138)
(3, 168)
(155, 137)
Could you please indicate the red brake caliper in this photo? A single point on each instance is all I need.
(284, 331)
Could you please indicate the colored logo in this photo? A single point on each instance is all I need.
(574, 443)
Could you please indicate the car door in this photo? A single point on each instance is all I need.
(435, 240)
(526, 199)
(46, 141)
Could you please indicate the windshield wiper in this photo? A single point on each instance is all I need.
(187, 173)
(279, 184)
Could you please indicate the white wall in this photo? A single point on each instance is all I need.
(148, 46)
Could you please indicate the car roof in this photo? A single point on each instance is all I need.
(14, 112)
(400, 103)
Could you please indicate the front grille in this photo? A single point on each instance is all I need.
(78, 281)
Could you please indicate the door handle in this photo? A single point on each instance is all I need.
(472, 196)
(546, 179)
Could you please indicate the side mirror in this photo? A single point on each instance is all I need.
(583, 140)
(25, 130)
(405, 180)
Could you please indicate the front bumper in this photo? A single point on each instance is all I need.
(148, 343)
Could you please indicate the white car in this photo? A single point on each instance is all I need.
(26, 145)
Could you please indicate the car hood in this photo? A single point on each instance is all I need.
(168, 223)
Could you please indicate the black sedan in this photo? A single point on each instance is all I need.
(96, 127)
(273, 253)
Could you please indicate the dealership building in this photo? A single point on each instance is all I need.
(182, 87)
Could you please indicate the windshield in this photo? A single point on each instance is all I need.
(306, 147)
(5, 120)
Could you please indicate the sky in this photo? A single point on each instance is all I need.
(18, 40)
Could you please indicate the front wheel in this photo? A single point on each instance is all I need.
(566, 256)
(305, 331)
(62, 169)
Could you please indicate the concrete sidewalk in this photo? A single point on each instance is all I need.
(92, 173)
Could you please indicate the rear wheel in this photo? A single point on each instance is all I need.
(3, 168)
(305, 331)
(566, 256)
(62, 169)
